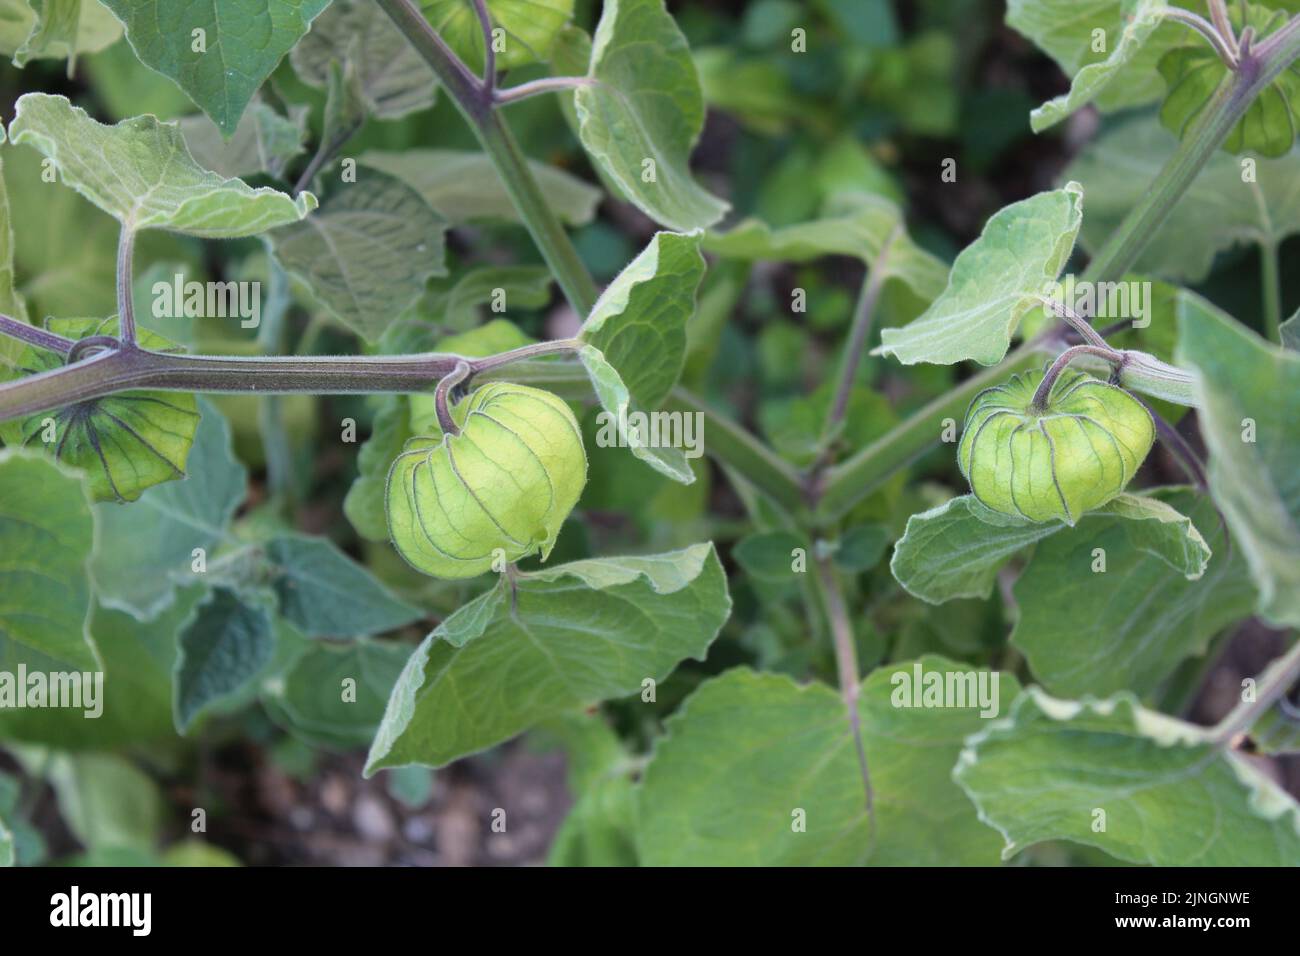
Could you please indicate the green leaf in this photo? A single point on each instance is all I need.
(956, 549)
(639, 321)
(1195, 73)
(599, 828)
(642, 113)
(1092, 81)
(243, 41)
(529, 28)
(144, 551)
(1147, 612)
(155, 183)
(61, 29)
(46, 535)
(220, 650)
(124, 443)
(769, 555)
(564, 638)
(1218, 211)
(1278, 730)
(1249, 393)
(1119, 75)
(748, 752)
(994, 282)
(367, 254)
(134, 701)
(394, 79)
(106, 802)
(334, 695)
(518, 287)
(853, 224)
(620, 425)
(1170, 798)
(464, 186)
(364, 504)
(324, 593)
(67, 266)
(263, 142)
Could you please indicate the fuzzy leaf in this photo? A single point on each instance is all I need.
(639, 321)
(1149, 610)
(529, 28)
(243, 41)
(263, 142)
(644, 106)
(857, 225)
(324, 593)
(367, 253)
(222, 648)
(465, 187)
(154, 182)
(46, 535)
(618, 404)
(994, 282)
(1249, 393)
(567, 637)
(1170, 797)
(146, 550)
(394, 79)
(748, 751)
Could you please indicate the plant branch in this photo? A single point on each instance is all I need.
(440, 394)
(1271, 686)
(125, 305)
(1257, 68)
(1270, 278)
(846, 664)
(1075, 321)
(116, 369)
(863, 321)
(30, 334)
(1225, 48)
(476, 105)
(548, 84)
(489, 54)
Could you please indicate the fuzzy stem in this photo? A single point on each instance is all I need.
(846, 665)
(475, 103)
(489, 54)
(1255, 71)
(445, 385)
(34, 336)
(1044, 392)
(548, 84)
(1271, 686)
(1222, 46)
(863, 320)
(125, 305)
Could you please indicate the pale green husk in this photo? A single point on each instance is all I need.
(500, 489)
(1055, 466)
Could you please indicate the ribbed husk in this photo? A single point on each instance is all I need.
(506, 482)
(1072, 459)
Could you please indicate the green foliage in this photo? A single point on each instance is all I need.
(239, 47)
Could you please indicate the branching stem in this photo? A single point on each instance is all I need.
(441, 393)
